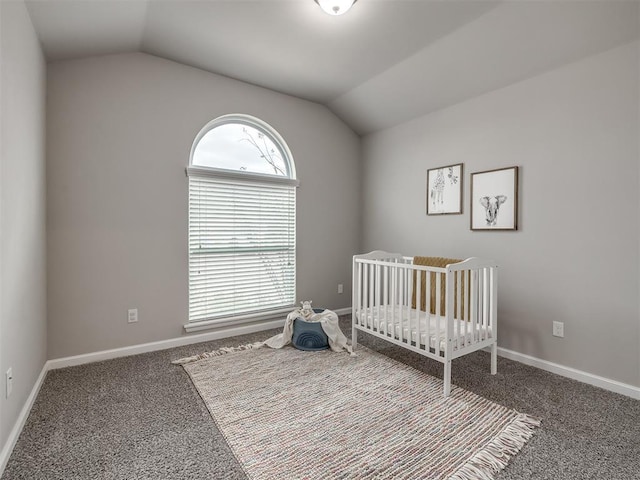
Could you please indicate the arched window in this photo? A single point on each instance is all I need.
(242, 228)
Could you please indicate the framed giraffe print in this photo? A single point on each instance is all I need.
(494, 199)
(444, 190)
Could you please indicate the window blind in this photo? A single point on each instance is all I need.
(241, 247)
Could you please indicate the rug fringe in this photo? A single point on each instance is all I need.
(496, 455)
(216, 353)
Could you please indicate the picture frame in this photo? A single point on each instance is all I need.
(494, 199)
(444, 190)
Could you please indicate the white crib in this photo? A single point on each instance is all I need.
(441, 313)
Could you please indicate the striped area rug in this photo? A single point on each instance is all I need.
(288, 414)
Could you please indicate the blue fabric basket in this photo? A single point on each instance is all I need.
(309, 336)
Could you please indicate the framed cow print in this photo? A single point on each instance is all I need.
(494, 199)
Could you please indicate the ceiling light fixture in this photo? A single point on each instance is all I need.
(335, 7)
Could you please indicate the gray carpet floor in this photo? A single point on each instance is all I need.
(140, 417)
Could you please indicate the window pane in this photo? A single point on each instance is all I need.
(239, 147)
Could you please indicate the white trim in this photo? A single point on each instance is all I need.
(7, 449)
(343, 311)
(584, 377)
(161, 345)
(240, 176)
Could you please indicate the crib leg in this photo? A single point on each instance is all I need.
(494, 358)
(354, 337)
(447, 378)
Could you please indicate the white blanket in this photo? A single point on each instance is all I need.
(329, 322)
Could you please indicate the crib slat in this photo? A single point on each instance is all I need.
(403, 288)
(427, 311)
(365, 296)
(467, 314)
(410, 286)
(385, 300)
(453, 313)
(407, 296)
(438, 313)
(403, 285)
(372, 291)
(359, 293)
(405, 306)
(405, 279)
(487, 305)
(458, 314)
(368, 300)
(397, 320)
(401, 295)
(402, 308)
(474, 304)
(481, 305)
(376, 292)
(494, 320)
(391, 329)
(449, 317)
(494, 303)
(487, 320)
(394, 293)
(409, 273)
(418, 309)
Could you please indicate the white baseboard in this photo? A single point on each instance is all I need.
(584, 377)
(161, 345)
(173, 342)
(22, 418)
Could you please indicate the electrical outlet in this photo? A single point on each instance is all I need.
(9, 382)
(340, 288)
(558, 329)
(132, 315)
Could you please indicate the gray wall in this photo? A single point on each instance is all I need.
(23, 345)
(120, 131)
(574, 134)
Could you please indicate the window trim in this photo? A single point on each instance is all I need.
(233, 175)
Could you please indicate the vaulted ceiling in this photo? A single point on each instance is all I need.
(382, 63)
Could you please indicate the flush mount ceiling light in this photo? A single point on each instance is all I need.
(335, 7)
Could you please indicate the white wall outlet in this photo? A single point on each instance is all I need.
(132, 316)
(340, 288)
(558, 329)
(9, 382)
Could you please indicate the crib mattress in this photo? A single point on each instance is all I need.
(388, 321)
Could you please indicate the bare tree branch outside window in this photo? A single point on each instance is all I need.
(270, 155)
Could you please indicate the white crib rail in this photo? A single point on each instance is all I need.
(383, 295)
(385, 304)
